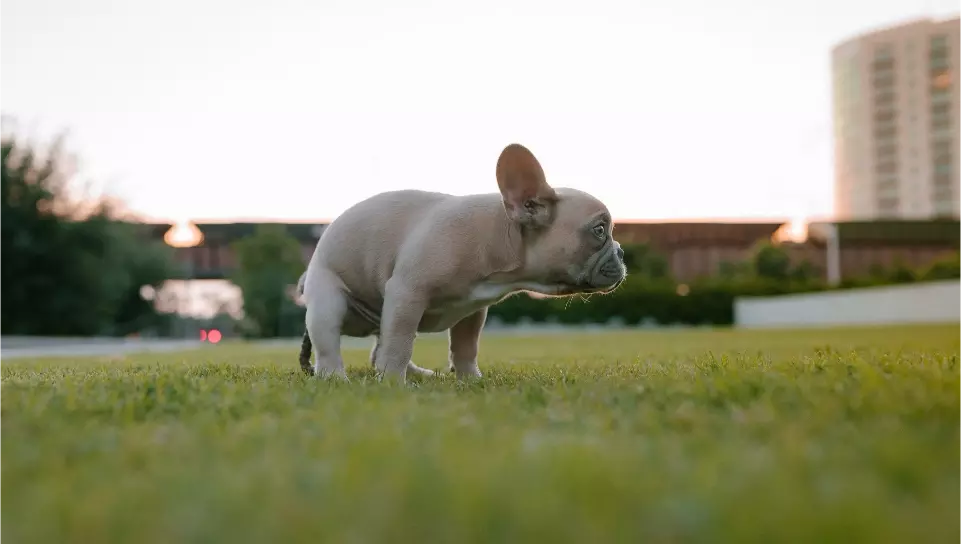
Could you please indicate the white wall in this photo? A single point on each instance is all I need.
(928, 302)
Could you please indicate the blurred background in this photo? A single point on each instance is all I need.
(168, 168)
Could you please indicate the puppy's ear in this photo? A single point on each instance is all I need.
(528, 198)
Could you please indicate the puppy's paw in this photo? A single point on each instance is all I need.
(393, 379)
(325, 374)
(466, 371)
(418, 371)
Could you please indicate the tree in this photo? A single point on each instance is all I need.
(268, 262)
(70, 265)
(770, 262)
(642, 261)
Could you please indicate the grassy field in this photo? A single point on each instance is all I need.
(816, 436)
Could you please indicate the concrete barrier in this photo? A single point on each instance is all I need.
(54, 341)
(19, 347)
(928, 302)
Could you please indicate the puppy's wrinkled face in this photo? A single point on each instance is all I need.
(576, 250)
(569, 247)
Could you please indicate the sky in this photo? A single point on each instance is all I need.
(294, 110)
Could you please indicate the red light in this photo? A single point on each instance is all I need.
(214, 336)
(203, 335)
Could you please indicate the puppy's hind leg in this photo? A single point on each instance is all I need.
(411, 367)
(326, 306)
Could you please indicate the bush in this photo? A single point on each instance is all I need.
(638, 302)
(650, 296)
(945, 268)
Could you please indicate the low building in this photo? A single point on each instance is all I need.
(866, 246)
(692, 249)
(696, 249)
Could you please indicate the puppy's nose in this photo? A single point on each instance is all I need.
(619, 251)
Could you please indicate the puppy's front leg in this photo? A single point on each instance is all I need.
(464, 338)
(403, 309)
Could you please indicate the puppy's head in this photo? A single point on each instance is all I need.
(568, 242)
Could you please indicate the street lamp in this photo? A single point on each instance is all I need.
(185, 235)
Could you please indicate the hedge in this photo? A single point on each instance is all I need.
(642, 302)
(637, 302)
(645, 300)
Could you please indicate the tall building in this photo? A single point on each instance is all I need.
(896, 122)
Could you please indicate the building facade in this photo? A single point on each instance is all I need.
(896, 137)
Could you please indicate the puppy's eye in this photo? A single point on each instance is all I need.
(600, 231)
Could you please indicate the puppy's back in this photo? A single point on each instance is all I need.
(361, 245)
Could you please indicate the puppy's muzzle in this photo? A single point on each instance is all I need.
(606, 269)
(612, 269)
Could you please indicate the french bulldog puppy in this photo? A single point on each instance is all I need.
(409, 261)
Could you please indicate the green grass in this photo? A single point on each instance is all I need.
(815, 436)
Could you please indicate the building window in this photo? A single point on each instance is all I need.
(943, 206)
(940, 80)
(939, 42)
(939, 58)
(883, 62)
(940, 109)
(884, 116)
(888, 188)
(940, 121)
(885, 150)
(939, 95)
(884, 132)
(886, 167)
(939, 63)
(888, 206)
(885, 52)
(883, 81)
(884, 99)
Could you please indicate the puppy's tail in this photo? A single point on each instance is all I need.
(305, 346)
